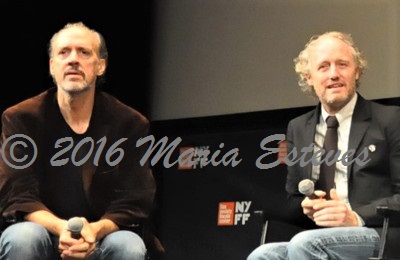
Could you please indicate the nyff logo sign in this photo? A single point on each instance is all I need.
(233, 213)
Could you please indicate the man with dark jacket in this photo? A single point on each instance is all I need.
(71, 152)
(342, 220)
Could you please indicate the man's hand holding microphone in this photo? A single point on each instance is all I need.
(78, 239)
(325, 213)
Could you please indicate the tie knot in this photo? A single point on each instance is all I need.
(332, 122)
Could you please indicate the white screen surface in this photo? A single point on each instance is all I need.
(218, 57)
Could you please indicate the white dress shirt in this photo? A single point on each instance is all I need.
(344, 118)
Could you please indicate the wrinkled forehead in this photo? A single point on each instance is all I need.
(76, 38)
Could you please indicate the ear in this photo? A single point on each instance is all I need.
(309, 80)
(51, 67)
(358, 74)
(101, 67)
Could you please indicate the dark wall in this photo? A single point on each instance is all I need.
(26, 27)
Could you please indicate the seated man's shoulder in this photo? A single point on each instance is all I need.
(385, 112)
(29, 107)
(303, 117)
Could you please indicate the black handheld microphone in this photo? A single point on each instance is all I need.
(75, 226)
(306, 187)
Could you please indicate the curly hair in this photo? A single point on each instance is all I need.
(302, 63)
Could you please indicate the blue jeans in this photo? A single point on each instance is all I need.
(27, 240)
(341, 243)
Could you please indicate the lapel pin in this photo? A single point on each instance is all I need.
(372, 148)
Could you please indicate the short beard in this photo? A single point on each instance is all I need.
(76, 91)
(337, 105)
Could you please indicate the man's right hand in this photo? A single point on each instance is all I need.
(81, 248)
(308, 204)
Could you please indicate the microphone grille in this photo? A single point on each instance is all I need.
(75, 224)
(306, 187)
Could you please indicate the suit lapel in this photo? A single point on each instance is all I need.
(359, 125)
(309, 138)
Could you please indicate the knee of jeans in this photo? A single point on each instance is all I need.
(24, 232)
(269, 251)
(303, 241)
(300, 241)
(124, 242)
(254, 255)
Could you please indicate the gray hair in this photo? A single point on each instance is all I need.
(103, 52)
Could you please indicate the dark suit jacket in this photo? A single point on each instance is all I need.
(377, 182)
(123, 192)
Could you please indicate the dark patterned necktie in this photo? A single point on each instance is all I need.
(326, 179)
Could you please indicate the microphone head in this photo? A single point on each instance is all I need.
(75, 225)
(306, 187)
